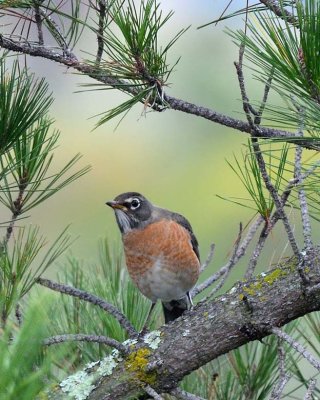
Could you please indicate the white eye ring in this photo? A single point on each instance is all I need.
(135, 203)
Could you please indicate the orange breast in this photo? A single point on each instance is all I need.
(161, 261)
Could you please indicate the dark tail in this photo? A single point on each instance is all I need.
(175, 308)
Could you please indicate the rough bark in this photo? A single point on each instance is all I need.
(246, 313)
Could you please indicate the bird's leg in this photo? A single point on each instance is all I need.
(147, 321)
(190, 300)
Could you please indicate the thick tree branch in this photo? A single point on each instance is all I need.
(208, 331)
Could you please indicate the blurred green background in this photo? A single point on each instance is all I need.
(174, 159)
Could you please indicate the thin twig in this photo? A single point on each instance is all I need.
(229, 265)
(183, 395)
(85, 338)
(38, 22)
(306, 224)
(311, 387)
(297, 346)
(151, 392)
(102, 11)
(267, 229)
(208, 259)
(245, 100)
(267, 87)
(278, 389)
(275, 196)
(281, 358)
(283, 376)
(279, 11)
(111, 309)
(16, 207)
(260, 160)
(240, 253)
(257, 251)
(56, 33)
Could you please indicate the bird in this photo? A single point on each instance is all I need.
(161, 252)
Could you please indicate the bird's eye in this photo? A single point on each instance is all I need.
(135, 203)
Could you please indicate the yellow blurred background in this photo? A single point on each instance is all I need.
(178, 161)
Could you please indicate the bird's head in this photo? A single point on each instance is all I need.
(132, 210)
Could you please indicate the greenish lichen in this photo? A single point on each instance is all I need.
(206, 314)
(153, 339)
(108, 364)
(78, 386)
(274, 275)
(253, 288)
(137, 362)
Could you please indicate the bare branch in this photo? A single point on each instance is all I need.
(209, 258)
(56, 32)
(257, 119)
(257, 251)
(183, 395)
(275, 196)
(258, 154)
(245, 100)
(283, 376)
(240, 253)
(151, 392)
(297, 346)
(280, 11)
(278, 389)
(38, 22)
(311, 387)
(101, 24)
(267, 229)
(229, 265)
(17, 206)
(85, 338)
(81, 294)
(306, 224)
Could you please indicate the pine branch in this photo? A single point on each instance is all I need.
(172, 102)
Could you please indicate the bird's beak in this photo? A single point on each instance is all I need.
(115, 205)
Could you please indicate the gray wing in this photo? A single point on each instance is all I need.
(180, 219)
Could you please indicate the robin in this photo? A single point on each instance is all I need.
(161, 252)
